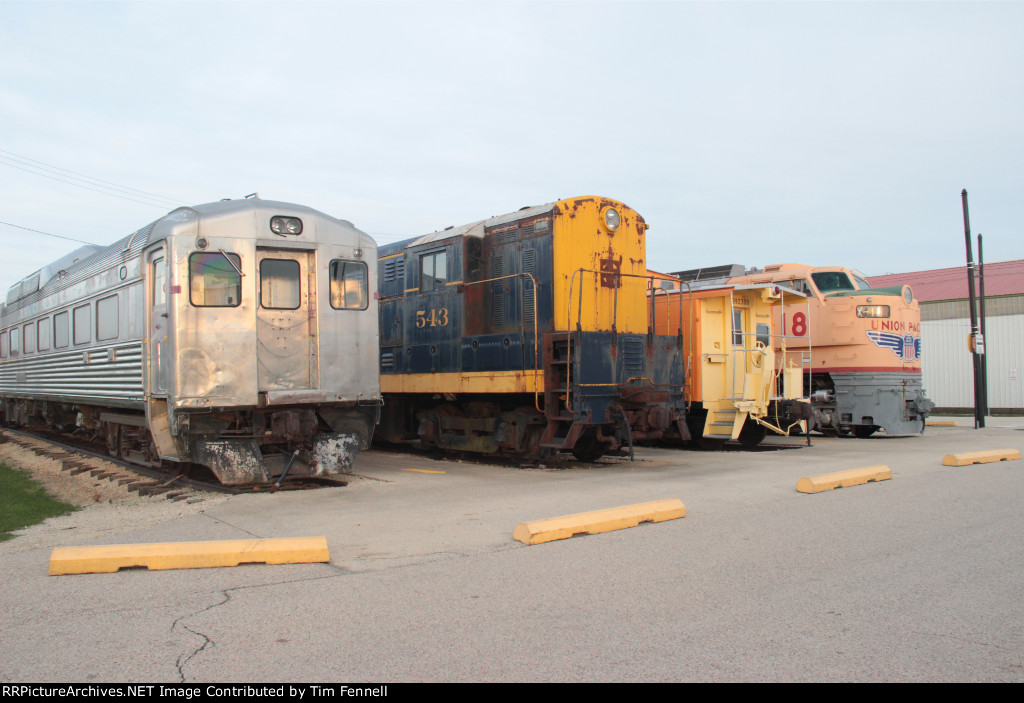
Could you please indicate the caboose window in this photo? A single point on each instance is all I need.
(280, 284)
(60, 330)
(106, 318)
(737, 328)
(764, 335)
(214, 279)
(433, 271)
(349, 285)
(81, 324)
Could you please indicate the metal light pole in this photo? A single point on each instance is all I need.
(981, 316)
(976, 341)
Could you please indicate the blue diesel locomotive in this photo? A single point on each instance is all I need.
(527, 334)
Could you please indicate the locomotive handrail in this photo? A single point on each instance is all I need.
(579, 310)
(536, 358)
(615, 311)
(688, 356)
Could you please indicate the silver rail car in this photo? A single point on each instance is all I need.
(239, 335)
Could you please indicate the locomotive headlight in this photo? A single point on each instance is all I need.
(285, 225)
(872, 311)
(908, 295)
(612, 219)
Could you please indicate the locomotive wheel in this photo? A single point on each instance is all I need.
(864, 431)
(588, 448)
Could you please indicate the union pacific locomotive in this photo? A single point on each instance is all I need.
(209, 336)
(863, 345)
(527, 334)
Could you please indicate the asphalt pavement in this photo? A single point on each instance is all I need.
(918, 578)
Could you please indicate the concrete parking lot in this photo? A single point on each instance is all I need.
(919, 578)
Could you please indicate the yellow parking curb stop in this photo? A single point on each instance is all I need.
(597, 521)
(984, 457)
(843, 479)
(187, 555)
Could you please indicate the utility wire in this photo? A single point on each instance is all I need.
(95, 190)
(48, 234)
(98, 180)
(63, 175)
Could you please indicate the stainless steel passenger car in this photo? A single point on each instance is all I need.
(241, 335)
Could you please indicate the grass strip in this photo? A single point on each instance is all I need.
(24, 502)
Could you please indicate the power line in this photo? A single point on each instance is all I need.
(23, 163)
(49, 234)
(98, 180)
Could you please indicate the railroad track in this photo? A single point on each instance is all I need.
(76, 457)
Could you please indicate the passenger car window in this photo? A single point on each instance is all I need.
(280, 284)
(214, 279)
(81, 324)
(44, 334)
(159, 283)
(349, 285)
(106, 318)
(29, 337)
(60, 330)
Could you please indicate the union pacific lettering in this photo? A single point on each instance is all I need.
(896, 326)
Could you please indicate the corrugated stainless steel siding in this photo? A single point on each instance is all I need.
(948, 370)
(103, 375)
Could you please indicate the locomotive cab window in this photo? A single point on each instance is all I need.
(433, 271)
(280, 284)
(215, 279)
(800, 285)
(349, 285)
(3, 345)
(832, 281)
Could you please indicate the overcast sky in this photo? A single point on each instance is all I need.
(754, 133)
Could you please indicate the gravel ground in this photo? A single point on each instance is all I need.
(106, 507)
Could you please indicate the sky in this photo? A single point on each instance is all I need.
(827, 133)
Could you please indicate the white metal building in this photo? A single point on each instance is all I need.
(946, 362)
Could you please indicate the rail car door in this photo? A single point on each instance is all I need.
(159, 323)
(286, 356)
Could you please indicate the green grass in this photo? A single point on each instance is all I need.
(23, 502)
